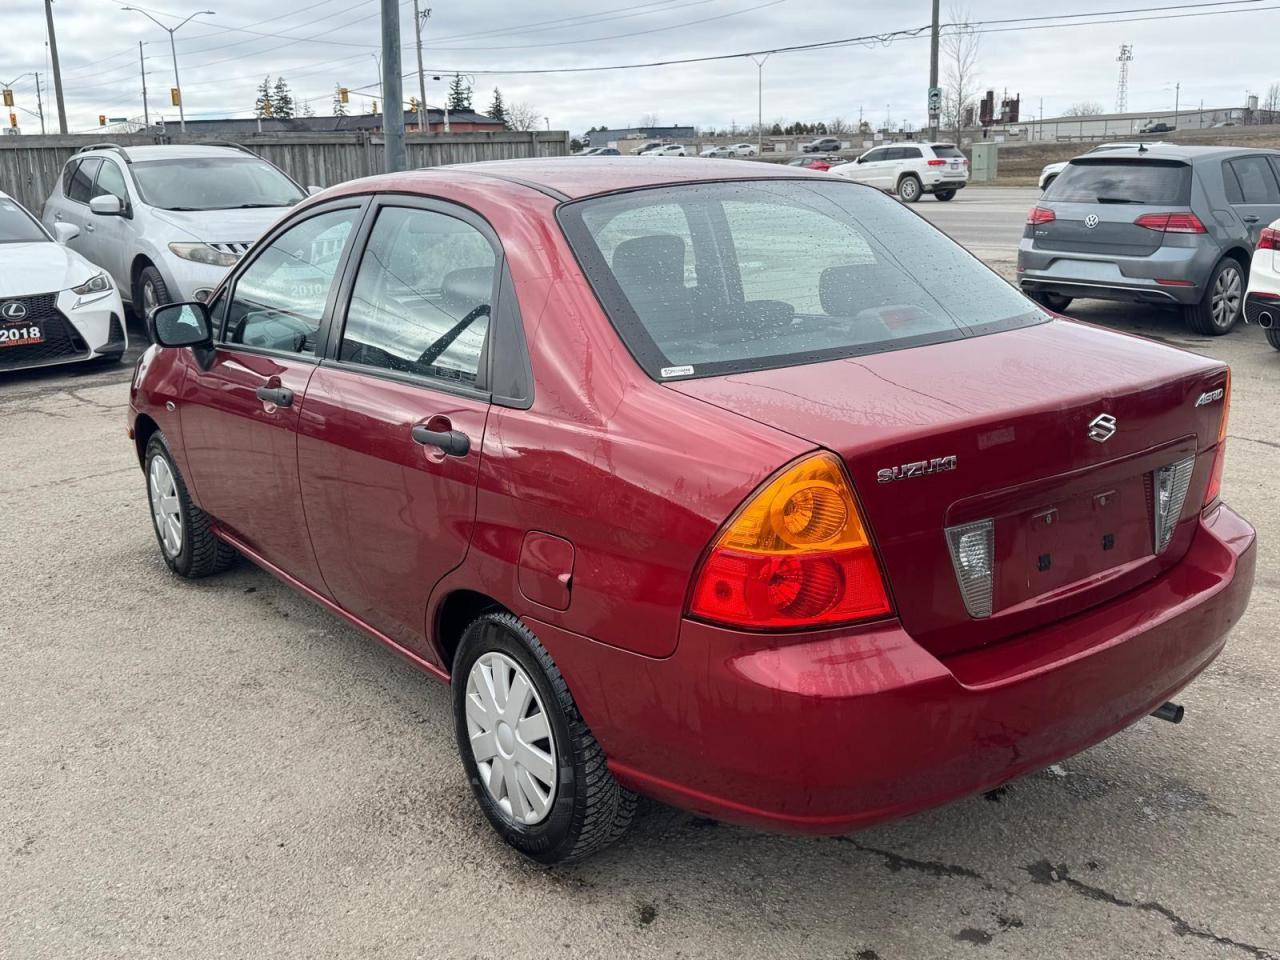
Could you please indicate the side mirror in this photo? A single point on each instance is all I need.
(107, 205)
(64, 233)
(860, 160)
(181, 325)
(313, 190)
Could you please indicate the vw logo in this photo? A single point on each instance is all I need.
(1102, 427)
(1091, 221)
(13, 310)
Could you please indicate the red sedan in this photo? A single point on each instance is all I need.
(738, 486)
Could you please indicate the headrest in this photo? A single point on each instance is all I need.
(838, 288)
(650, 260)
(467, 289)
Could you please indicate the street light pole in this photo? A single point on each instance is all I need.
(760, 102)
(933, 70)
(173, 49)
(57, 70)
(142, 66)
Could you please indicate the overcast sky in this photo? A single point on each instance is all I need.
(319, 44)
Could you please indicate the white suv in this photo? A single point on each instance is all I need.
(910, 169)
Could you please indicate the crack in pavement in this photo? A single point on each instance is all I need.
(1265, 443)
(896, 862)
(1046, 874)
(75, 395)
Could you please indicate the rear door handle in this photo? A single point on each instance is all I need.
(90, 228)
(455, 443)
(1251, 218)
(280, 396)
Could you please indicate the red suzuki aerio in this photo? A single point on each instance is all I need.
(737, 486)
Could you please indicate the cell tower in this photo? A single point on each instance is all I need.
(1122, 88)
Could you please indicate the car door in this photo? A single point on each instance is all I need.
(391, 432)
(75, 210)
(864, 168)
(1253, 192)
(112, 237)
(240, 413)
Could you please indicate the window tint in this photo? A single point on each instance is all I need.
(82, 180)
(910, 153)
(875, 155)
(422, 296)
(947, 151)
(111, 181)
(778, 274)
(1256, 179)
(67, 173)
(1142, 181)
(279, 300)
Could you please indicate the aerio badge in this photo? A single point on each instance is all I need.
(1102, 427)
(1091, 221)
(13, 310)
(1210, 397)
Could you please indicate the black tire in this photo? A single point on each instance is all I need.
(909, 188)
(1203, 317)
(1273, 337)
(1051, 301)
(202, 554)
(150, 285)
(590, 809)
(945, 195)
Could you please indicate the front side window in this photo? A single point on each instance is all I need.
(422, 297)
(82, 180)
(711, 278)
(111, 183)
(214, 183)
(18, 226)
(279, 300)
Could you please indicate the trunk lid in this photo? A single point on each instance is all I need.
(1014, 409)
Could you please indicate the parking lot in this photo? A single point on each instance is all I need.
(194, 769)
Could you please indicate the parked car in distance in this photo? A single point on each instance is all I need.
(1262, 300)
(821, 145)
(744, 149)
(1164, 224)
(1051, 170)
(55, 306)
(647, 146)
(1225, 123)
(599, 152)
(166, 222)
(667, 150)
(669, 535)
(910, 170)
(811, 163)
(716, 151)
(1158, 128)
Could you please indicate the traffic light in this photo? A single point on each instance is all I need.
(13, 120)
(102, 119)
(8, 97)
(344, 95)
(175, 96)
(413, 104)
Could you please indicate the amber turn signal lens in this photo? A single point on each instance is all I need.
(1213, 492)
(796, 555)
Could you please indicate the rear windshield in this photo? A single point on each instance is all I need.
(946, 150)
(1154, 182)
(712, 278)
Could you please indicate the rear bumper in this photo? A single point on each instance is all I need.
(1131, 279)
(941, 183)
(846, 728)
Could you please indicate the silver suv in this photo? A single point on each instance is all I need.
(167, 221)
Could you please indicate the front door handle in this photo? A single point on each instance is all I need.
(1252, 218)
(57, 216)
(455, 443)
(280, 396)
(90, 228)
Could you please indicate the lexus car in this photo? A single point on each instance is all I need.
(734, 485)
(55, 306)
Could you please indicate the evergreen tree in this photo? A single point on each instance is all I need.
(262, 106)
(497, 109)
(459, 93)
(339, 108)
(281, 100)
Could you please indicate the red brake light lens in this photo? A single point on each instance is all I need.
(1171, 223)
(937, 163)
(1213, 491)
(1040, 215)
(1269, 239)
(796, 556)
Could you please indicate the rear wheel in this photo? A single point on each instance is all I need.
(537, 772)
(1052, 301)
(945, 195)
(1223, 301)
(1273, 337)
(909, 189)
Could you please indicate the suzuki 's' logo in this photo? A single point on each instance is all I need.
(13, 310)
(1102, 427)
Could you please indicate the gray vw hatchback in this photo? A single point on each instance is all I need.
(1163, 224)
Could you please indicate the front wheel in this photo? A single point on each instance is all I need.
(182, 529)
(1051, 301)
(909, 189)
(1223, 302)
(537, 772)
(152, 291)
(945, 195)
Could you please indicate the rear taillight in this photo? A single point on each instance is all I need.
(1041, 215)
(937, 163)
(1269, 239)
(797, 555)
(1213, 491)
(972, 549)
(1171, 223)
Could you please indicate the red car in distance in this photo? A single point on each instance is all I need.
(810, 163)
(733, 485)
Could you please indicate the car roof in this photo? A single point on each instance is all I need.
(1177, 151)
(165, 152)
(571, 178)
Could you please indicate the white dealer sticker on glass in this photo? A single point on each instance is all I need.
(676, 371)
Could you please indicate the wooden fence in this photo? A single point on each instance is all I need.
(30, 165)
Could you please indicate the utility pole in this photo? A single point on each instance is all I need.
(1177, 99)
(173, 50)
(760, 102)
(420, 21)
(39, 103)
(142, 66)
(57, 70)
(392, 93)
(933, 72)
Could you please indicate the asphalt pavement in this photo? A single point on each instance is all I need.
(221, 769)
(987, 220)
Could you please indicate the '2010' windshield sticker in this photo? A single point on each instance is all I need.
(676, 371)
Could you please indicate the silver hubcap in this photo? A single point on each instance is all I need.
(511, 738)
(165, 510)
(908, 189)
(1226, 297)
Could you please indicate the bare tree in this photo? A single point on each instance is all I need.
(1271, 102)
(649, 120)
(960, 44)
(521, 116)
(1084, 108)
(838, 126)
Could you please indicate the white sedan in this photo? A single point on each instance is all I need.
(55, 306)
(743, 149)
(1262, 299)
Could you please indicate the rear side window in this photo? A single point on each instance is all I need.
(910, 153)
(712, 278)
(947, 151)
(1250, 180)
(67, 173)
(82, 180)
(1158, 183)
